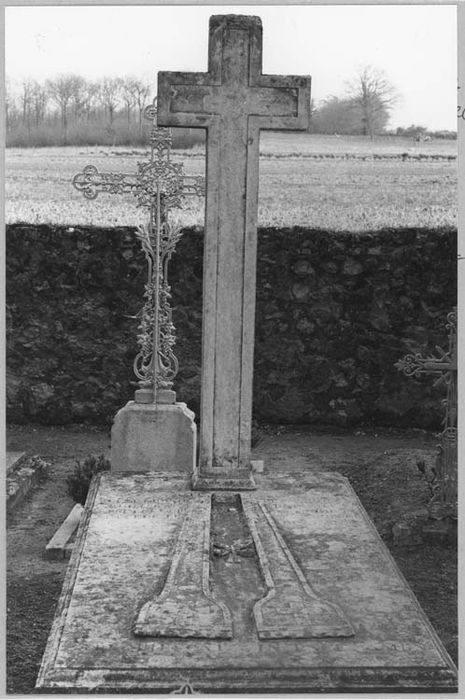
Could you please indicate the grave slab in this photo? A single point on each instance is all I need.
(295, 592)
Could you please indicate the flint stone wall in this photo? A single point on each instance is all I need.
(335, 311)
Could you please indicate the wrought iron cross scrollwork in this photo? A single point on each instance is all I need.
(443, 364)
(159, 185)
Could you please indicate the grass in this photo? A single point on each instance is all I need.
(295, 189)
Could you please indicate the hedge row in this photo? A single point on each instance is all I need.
(335, 311)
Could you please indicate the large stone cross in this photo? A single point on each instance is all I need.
(232, 101)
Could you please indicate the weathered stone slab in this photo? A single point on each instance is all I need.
(126, 546)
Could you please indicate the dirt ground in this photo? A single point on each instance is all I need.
(381, 466)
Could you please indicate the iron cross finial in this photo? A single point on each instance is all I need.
(159, 186)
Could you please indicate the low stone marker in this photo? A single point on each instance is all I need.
(22, 474)
(228, 582)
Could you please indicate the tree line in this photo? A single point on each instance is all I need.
(71, 110)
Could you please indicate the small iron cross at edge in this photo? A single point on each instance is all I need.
(444, 500)
(443, 364)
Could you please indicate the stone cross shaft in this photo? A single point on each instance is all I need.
(232, 101)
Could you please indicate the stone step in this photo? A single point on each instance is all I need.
(59, 547)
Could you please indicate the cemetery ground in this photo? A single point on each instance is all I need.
(334, 183)
(380, 463)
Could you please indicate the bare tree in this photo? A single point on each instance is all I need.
(110, 91)
(78, 96)
(128, 92)
(62, 90)
(27, 88)
(374, 96)
(91, 96)
(10, 104)
(141, 93)
(39, 101)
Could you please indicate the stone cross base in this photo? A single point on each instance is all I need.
(223, 480)
(153, 437)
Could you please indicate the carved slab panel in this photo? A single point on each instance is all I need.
(290, 608)
(186, 607)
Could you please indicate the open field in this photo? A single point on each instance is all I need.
(296, 189)
(285, 143)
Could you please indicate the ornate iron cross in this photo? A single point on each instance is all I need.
(444, 364)
(159, 186)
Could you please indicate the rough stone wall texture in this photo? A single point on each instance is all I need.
(335, 311)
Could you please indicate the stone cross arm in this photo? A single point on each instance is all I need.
(267, 102)
(234, 88)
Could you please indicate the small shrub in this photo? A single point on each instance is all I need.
(40, 466)
(429, 475)
(79, 481)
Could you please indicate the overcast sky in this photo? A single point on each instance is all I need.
(414, 44)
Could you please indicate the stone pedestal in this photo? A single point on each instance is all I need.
(288, 588)
(153, 437)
